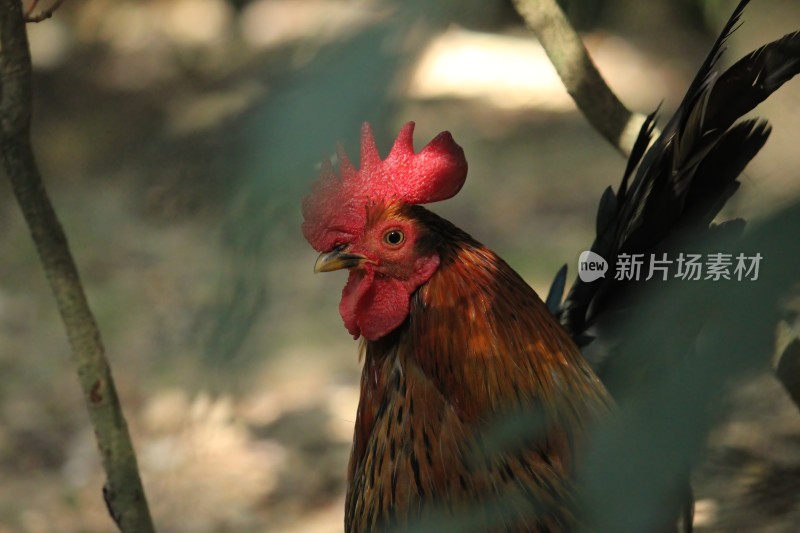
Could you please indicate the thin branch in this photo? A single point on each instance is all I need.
(44, 14)
(31, 8)
(123, 489)
(579, 74)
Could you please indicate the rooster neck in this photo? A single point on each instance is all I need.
(477, 326)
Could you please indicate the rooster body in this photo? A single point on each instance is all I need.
(428, 391)
(455, 341)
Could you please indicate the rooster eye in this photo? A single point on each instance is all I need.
(393, 237)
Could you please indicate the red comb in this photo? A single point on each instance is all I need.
(335, 211)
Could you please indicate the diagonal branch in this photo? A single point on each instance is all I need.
(44, 14)
(123, 489)
(580, 76)
(31, 15)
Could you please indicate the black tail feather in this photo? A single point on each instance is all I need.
(752, 79)
(638, 151)
(681, 182)
(715, 180)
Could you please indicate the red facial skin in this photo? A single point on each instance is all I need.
(352, 212)
(376, 298)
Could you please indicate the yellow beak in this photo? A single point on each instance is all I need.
(337, 260)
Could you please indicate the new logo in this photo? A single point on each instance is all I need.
(591, 266)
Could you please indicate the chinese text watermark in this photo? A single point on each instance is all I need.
(686, 266)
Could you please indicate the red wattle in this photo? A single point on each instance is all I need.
(373, 306)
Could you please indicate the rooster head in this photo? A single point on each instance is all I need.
(361, 221)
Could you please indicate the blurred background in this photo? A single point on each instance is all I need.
(177, 137)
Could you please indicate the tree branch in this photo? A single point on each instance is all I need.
(44, 14)
(580, 76)
(123, 489)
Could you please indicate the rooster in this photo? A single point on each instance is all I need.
(453, 339)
